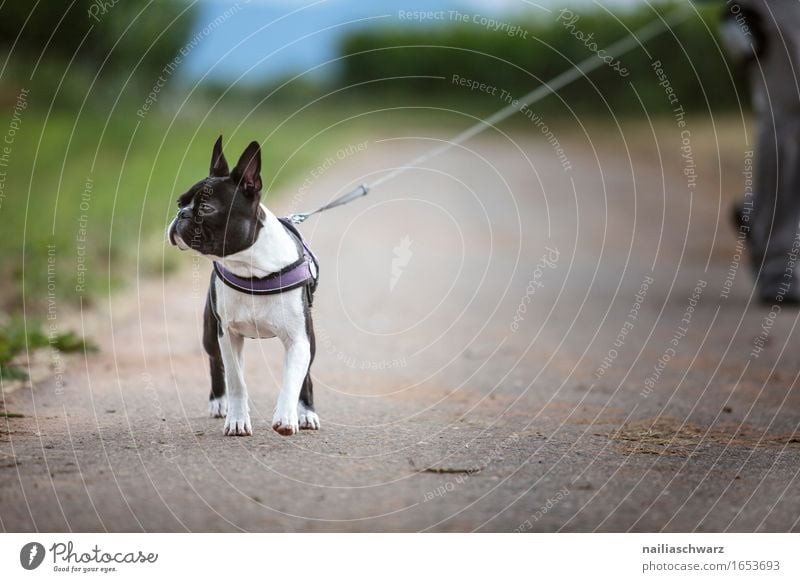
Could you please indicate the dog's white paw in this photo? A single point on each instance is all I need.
(307, 419)
(237, 422)
(218, 407)
(285, 423)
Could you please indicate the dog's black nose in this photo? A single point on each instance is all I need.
(184, 213)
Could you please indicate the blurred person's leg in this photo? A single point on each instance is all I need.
(775, 80)
(776, 208)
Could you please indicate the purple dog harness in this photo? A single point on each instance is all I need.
(304, 272)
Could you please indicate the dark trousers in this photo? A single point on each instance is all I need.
(775, 81)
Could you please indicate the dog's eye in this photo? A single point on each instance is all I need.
(207, 209)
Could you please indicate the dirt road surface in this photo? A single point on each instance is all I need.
(506, 341)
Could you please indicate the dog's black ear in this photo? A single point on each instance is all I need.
(219, 165)
(247, 173)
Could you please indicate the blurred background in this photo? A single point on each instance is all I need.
(111, 107)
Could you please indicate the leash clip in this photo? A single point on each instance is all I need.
(299, 217)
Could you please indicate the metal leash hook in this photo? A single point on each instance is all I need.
(299, 217)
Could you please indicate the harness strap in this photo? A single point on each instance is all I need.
(303, 272)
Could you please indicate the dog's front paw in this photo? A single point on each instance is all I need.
(308, 419)
(218, 407)
(286, 423)
(237, 423)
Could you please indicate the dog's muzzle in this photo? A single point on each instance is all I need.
(174, 238)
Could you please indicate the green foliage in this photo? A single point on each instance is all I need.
(61, 47)
(70, 342)
(689, 53)
(17, 337)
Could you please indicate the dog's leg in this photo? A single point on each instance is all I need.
(217, 406)
(307, 417)
(237, 422)
(295, 367)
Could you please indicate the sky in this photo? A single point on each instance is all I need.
(253, 41)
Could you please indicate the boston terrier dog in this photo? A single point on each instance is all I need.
(262, 286)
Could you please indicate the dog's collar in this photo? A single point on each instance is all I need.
(303, 272)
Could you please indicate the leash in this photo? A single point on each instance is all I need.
(641, 36)
(299, 217)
